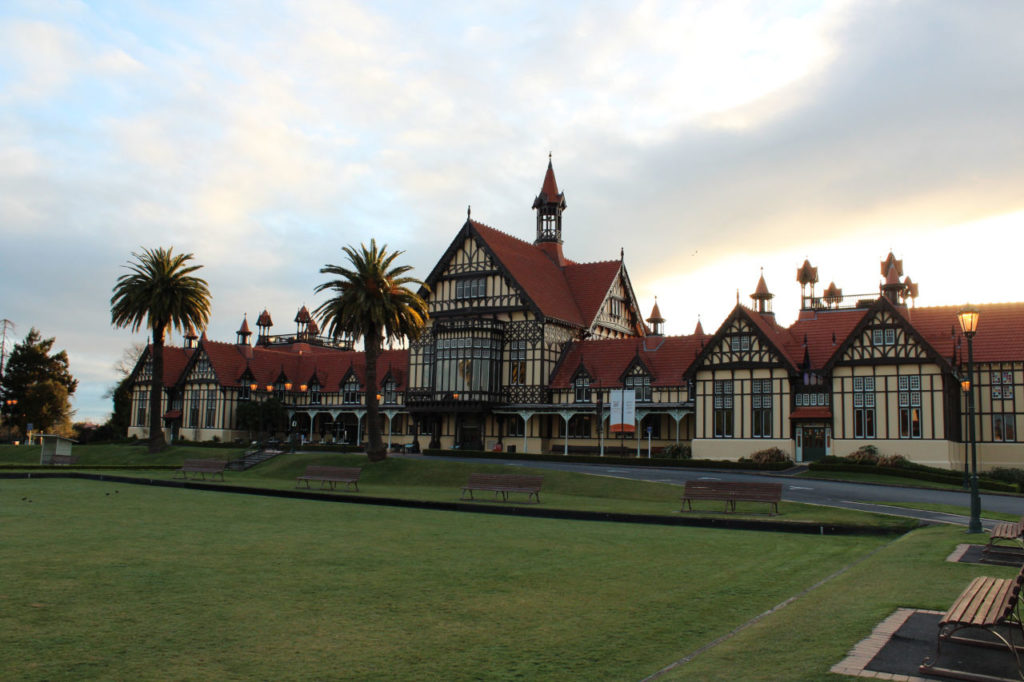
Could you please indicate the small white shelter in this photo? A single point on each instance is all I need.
(53, 444)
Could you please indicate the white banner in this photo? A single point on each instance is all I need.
(623, 411)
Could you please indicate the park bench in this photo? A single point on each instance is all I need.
(990, 604)
(328, 475)
(201, 467)
(503, 484)
(1007, 531)
(63, 460)
(731, 493)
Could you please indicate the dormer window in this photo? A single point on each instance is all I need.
(641, 385)
(314, 393)
(582, 385)
(350, 392)
(244, 392)
(390, 393)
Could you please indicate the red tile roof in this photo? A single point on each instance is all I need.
(605, 360)
(811, 413)
(542, 280)
(1000, 334)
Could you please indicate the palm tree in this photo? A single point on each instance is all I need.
(159, 292)
(372, 302)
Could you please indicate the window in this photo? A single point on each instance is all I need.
(761, 408)
(515, 426)
(390, 393)
(350, 394)
(468, 364)
(314, 394)
(140, 409)
(475, 287)
(244, 391)
(615, 307)
(279, 390)
(193, 412)
(723, 414)
(517, 363)
(863, 407)
(883, 336)
(641, 385)
(910, 405)
(740, 342)
(211, 408)
(582, 389)
(395, 425)
(579, 426)
(1002, 385)
(1004, 428)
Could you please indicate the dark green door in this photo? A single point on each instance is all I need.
(813, 443)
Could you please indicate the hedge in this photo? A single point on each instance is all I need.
(922, 474)
(623, 461)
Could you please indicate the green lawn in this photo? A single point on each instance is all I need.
(120, 454)
(113, 581)
(804, 639)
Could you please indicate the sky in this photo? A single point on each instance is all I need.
(711, 141)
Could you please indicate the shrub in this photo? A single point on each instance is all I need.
(893, 461)
(768, 456)
(866, 455)
(678, 451)
(1007, 475)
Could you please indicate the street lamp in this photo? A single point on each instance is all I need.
(968, 316)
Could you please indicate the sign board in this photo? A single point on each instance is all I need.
(623, 411)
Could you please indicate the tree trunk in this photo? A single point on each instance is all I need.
(156, 413)
(375, 449)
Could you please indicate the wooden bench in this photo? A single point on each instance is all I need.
(731, 493)
(1007, 531)
(201, 467)
(503, 484)
(328, 475)
(63, 460)
(990, 604)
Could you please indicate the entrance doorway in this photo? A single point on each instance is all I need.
(813, 442)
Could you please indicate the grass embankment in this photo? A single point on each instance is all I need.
(120, 455)
(803, 640)
(105, 580)
(435, 480)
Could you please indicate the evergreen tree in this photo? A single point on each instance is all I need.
(41, 384)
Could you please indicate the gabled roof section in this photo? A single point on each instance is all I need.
(898, 313)
(825, 332)
(175, 361)
(777, 339)
(667, 358)
(589, 285)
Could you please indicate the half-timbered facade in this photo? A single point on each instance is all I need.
(524, 346)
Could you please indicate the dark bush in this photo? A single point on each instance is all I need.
(768, 456)
(678, 451)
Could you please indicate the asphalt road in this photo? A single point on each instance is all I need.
(862, 496)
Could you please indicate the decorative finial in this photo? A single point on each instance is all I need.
(622, 253)
(469, 211)
(737, 297)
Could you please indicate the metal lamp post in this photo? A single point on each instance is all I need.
(968, 317)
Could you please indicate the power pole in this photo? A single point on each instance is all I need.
(4, 325)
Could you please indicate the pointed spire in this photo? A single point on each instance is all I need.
(656, 320)
(699, 331)
(549, 204)
(762, 297)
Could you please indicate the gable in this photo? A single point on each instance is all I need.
(200, 368)
(741, 343)
(885, 337)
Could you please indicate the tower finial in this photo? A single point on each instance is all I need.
(469, 211)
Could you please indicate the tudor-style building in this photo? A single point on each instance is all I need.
(524, 346)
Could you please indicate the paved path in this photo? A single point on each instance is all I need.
(848, 495)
